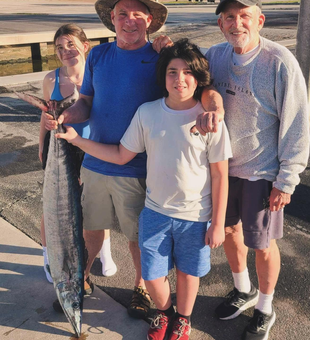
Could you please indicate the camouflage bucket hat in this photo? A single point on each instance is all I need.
(158, 11)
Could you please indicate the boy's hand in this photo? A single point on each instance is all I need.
(70, 136)
(161, 42)
(215, 236)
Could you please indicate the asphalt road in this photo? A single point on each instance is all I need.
(20, 205)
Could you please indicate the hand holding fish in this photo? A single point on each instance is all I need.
(77, 113)
(71, 136)
(51, 123)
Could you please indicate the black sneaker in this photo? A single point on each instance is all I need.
(235, 303)
(259, 326)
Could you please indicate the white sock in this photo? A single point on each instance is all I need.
(242, 281)
(108, 266)
(264, 303)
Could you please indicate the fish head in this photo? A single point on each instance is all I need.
(71, 300)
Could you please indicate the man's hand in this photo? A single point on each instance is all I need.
(208, 122)
(161, 42)
(212, 102)
(51, 123)
(278, 199)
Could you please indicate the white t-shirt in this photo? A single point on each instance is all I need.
(178, 173)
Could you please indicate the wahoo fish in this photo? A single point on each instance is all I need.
(63, 216)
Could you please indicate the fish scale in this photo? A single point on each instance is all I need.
(63, 216)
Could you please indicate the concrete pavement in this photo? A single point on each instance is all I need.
(26, 299)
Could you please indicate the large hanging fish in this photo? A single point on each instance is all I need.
(63, 216)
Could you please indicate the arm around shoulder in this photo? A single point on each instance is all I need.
(212, 102)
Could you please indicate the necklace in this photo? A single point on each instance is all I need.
(72, 81)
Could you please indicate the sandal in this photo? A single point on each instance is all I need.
(140, 303)
(88, 287)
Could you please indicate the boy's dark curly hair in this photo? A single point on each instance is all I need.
(193, 57)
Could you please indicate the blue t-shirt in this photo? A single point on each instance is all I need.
(82, 128)
(119, 82)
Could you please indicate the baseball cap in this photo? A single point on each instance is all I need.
(249, 3)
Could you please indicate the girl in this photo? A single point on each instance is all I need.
(71, 46)
(187, 184)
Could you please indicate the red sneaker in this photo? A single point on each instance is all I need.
(159, 326)
(181, 329)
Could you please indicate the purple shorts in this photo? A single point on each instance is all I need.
(248, 203)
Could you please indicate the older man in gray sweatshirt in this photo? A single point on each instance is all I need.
(265, 100)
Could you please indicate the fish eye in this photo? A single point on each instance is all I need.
(75, 305)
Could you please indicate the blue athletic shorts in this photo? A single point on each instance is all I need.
(165, 241)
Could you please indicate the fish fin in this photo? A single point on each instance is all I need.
(33, 100)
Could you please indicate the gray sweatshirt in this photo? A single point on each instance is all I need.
(266, 113)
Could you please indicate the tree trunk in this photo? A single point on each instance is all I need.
(303, 40)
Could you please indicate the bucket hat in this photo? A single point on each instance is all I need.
(158, 11)
(223, 3)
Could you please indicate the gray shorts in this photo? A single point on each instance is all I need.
(248, 204)
(104, 197)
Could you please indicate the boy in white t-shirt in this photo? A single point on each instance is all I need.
(187, 185)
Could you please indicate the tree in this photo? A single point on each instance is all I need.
(303, 41)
